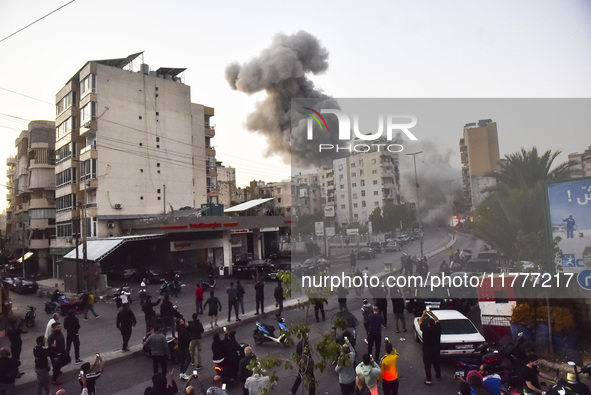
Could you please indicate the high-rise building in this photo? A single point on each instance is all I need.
(31, 197)
(226, 185)
(479, 149)
(129, 144)
(583, 161)
(364, 181)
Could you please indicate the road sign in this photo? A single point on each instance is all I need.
(319, 227)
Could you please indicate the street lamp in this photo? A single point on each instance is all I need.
(451, 206)
(414, 158)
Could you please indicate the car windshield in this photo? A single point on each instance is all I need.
(457, 327)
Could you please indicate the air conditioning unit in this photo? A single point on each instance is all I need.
(68, 240)
(87, 125)
(118, 206)
(110, 225)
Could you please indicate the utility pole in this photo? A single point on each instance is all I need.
(414, 158)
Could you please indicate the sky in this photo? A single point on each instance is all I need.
(381, 49)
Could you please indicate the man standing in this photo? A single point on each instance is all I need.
(216, 388)
(381, 302)
(90, 377)
(570, 227)
(59, 356)
(342, 293)
(232, 301)
(214, 306)
(362, 388)
(431, 329)
(195, 331)
(366, 311)
(370, 371)
(279, 298)
(90, 307)
(72, 326)
(319, 308)
(149, 313)
(240, 296)
(41, 366)
(259, 296)
(125, 321)
(184, 340)
(398, 308)
(353, 260)
(389, 371)
(374, 335)
(199, 299)
(143, 291)
(16, 342)
(54, 318)
(243, 371)
(8, 371)
(167, 314)
(159, 350)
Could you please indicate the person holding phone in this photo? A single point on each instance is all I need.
(90, 376)
(218, 388)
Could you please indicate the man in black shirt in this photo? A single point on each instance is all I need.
(167, 314)
(259, 296)
(374, 333)
(125, 321)
(91, 376)
(8, 370)
(529, 375)
(150, 314)
(431, 329)
(243, 372)
(184, 339)
(41, 366)
(240, 296)
(59, 356)
(16, 342)
(72, 326)
(279, 298)
(195, 331)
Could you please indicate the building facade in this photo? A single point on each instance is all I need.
(226, 185)
(30, 216)
(583, 162)
(129, 143)
(479, 150)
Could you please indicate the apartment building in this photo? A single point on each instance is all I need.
(30, 215)
(364, 181)
(479, 150)
(129, 144)
(583, 162)
(226, 185)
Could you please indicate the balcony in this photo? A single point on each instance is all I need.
(209, 151)
(38, 244)
(89, 126)
(11, 161)
(88, 152)
(10, 172)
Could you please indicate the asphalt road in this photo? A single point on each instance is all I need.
(131, 372)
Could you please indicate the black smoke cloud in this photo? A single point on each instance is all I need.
(281, 71)
(440, 184)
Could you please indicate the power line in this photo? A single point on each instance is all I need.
(32, 23)
(27, 96)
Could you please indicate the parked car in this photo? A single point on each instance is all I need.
(423, 297)
(24, 285)
(152, 274)
(250, 268)
(375, 246)
(277, 268)
(240, 269)
(466, 254)
(366, 253)
(403, 239)
(392, 247)
(313, 265)
(8, 282)
(459, 336)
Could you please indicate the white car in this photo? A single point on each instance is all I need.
(459, 336)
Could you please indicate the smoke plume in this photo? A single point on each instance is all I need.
(281, 71)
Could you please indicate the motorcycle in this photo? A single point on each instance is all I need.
(223, 370)
(51, 307)
(266, 333)
(567, 387)
(63, 305)
(208, 283)
(30, 317)
(173, 346)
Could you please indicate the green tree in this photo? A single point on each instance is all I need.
(512, 217)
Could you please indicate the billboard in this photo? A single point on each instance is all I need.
(570, 219)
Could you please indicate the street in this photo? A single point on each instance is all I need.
(131, 372)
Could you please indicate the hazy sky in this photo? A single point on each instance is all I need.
(440, 49)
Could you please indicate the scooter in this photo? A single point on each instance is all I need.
(30, 317)
(564, 387)
(208, 283)
(266, 333)
(222, 369)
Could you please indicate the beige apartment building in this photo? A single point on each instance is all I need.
(129, 144)
(30, 215)
(583, 162)
(479, 149)
(364, 181)
(226, 185)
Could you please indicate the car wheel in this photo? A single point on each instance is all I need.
(417, 339)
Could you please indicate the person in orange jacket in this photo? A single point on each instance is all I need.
(389, 375)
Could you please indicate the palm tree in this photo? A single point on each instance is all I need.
(513, 217)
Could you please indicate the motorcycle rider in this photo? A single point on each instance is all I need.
(531, 384)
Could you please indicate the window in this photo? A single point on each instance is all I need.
(376, 204)
(65, 127)
(362, 193)
(375, 193)
(88, 112)
(363, 203)
(360, 173)
(373, 161)
(65, 152)
(353, 164)
(342, 186)
(354, 185)
(342, 196)
(88, 85)
(354, 196)
(65, 177)
(66, 102)
(374, 172)
(353, 174)
(65, 202)
(343, 206)
(354, 205)
(341, 177)
(362, 183)
(361, 162)
(64, 229)
(375, 182)
(88, 169)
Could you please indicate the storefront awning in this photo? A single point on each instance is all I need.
(247, 205)
(97, 249)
